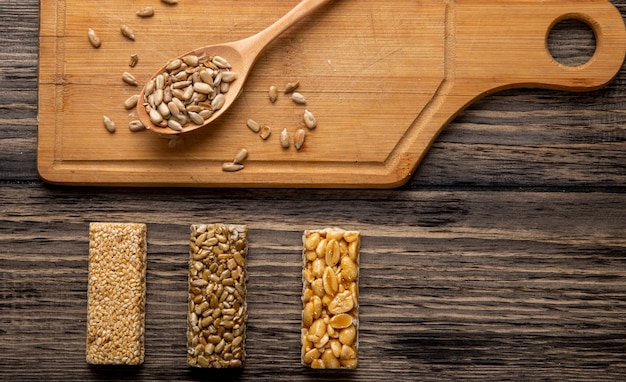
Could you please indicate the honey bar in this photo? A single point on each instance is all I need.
(330, 315)
(216, 322)
(116, 294)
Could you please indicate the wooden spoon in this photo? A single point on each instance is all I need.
(241, 55)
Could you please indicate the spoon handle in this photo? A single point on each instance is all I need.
(259, 41)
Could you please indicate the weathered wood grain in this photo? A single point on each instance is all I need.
(460, 284)
(501, 259)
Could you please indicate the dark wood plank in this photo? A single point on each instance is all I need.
(18, 85)
(479, 285)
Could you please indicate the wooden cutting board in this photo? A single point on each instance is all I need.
(382, 78)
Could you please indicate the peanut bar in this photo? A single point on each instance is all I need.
(330, 316)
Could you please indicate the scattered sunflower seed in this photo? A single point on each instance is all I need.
(170, 2)
(284, 139)
(127, 32)
(129, 79)
(298, 98)
(253, 125)
(93, 38)
(146, 12)
(299, 139)
(241, 155)
(309, 120)
(109, 124)
(231, 167)
(273, 93)
(291, 87)
(135, 126)
(131, 101)
(265, 132)
(134, 60)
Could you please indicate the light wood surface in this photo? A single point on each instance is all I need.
(502, 257)
(381, 87)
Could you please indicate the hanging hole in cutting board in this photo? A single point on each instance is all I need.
(571, 42)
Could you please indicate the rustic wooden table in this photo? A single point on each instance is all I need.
(503, 257)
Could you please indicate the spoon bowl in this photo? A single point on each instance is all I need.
(241, 55)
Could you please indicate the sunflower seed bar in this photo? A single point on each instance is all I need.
(330, 316)
(216, 322)
(116, 294)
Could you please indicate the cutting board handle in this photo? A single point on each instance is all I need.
(521, 58)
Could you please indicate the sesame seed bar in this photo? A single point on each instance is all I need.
(116, 294)
(216, 322)
(330, 315)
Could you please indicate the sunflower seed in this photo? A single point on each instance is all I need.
(241, 155)
(265, 132)
(284, 139)
(273, 93)
(299, 139)
(164, 110)
(221, 62)
(231, 167)
(170, 2)
(93, 38)
(253, 125)
(180, 84)
(109, 124)
(188, 93)
(228, 76)
(136, 125)
(217, 80)
(218, 102)
(203, 88)
(206, 114)
(298, 98)
(206, 75)
(158, 96)
(291, 87)
(150, 86)
(309, 119)
(191, 60)
(174, 110)
(129, 79)
(174, 125)
(156, 117)
(131, 101)
(127, 32)
(196, 118)
(146, 12)
(191, 84)
(173, 65)
(134, 59)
